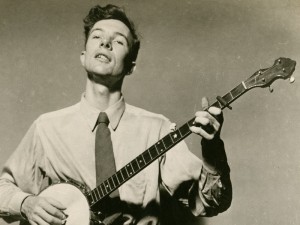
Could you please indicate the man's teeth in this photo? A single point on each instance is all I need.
(102, 57)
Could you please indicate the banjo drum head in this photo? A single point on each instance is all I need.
(78, 210)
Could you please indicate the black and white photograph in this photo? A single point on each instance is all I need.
(162, 112)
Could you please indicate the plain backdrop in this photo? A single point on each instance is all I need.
(189, 49)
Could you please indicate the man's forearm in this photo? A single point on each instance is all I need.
(11, 198)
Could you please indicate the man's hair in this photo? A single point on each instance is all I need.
(98, 13)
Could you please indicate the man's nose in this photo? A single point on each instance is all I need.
(106, 43)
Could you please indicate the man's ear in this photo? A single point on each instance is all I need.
(82, 58)
(132, 68)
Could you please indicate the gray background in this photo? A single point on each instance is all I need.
(190, 49)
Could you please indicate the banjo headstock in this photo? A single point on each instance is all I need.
(283, 68)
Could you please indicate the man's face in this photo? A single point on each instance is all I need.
(107, 46)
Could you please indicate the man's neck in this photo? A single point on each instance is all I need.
(101, 96)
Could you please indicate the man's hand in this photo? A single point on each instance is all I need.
(43, 211)
(208, 123)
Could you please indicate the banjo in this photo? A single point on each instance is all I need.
(80, 203)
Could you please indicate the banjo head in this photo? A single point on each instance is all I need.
(73, 199)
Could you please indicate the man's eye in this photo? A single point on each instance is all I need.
(119, 42)
(96, 37)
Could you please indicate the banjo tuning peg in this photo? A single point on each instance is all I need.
(292, 79)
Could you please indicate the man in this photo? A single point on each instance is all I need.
(61, 145)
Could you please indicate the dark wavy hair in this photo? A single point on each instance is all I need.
(98, 13)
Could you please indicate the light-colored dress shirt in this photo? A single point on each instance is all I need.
(60, 145)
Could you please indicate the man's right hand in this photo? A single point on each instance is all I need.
(43, 211)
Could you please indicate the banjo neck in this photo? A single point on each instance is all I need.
(155, 151)
(282, 69)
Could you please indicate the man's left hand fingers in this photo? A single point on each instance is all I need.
(208, 123)
(215, 111)
(202, 132)
(205, 118)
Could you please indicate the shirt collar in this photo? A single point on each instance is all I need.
(114, 112)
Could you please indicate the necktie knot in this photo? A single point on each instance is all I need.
(103, 118)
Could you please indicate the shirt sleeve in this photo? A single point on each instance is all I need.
(21, 176)
(205, 191)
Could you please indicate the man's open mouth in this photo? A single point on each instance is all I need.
(102, 57)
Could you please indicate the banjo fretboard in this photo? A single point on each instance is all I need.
(155, 151)
(282, 69)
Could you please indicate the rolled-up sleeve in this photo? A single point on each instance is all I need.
(211, 195)
(20, 176)
(206, 192)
